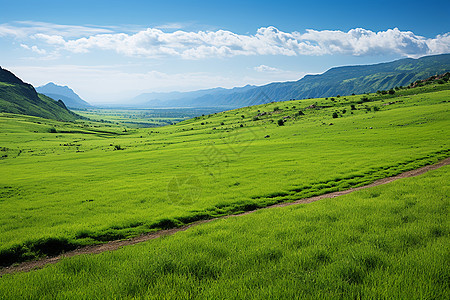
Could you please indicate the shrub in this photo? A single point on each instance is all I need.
(391, 92)
(52, 130)
(276, 108)
(335, 115)
(280, 122)
(300, 113)
(353, 107)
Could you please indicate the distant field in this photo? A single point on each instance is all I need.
(386, 242)
(144, 118)
(77, 183)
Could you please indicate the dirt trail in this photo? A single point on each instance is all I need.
(114, 245)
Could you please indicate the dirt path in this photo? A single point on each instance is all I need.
(114, 245)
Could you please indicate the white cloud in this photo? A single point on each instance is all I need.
(34, 49)
(154, 42)
(264, 68)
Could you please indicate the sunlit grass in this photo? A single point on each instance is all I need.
(389, 241)
(88, 182)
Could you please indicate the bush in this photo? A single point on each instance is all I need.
(117, 147)
(353, 107)
(276, 108)
(300, 113)
(391, 92)
(280, 122)
(335, 115)
(52, 130)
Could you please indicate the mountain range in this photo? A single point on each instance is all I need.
(64, 93)
(336, 81)
(19, 97)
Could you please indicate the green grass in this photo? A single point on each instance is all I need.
(66, 184)
(19, 98)
(386, 242)
(143, 118)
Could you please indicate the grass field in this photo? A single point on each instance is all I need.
(144, 118)
(385, 242)
(77, 183)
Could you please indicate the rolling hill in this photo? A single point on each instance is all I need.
(18, 97)
(336, 81)
(64, 93)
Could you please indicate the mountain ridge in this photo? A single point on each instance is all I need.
(64, 93)
(18, 97)
(342, 80)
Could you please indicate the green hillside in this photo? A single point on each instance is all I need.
(108, 183)
(336, 81)
(18, 97)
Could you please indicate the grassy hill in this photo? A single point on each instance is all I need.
(336, 81)
(107, 182)
(18, 97)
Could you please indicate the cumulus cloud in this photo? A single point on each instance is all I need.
(264, 68)
(154, 42)
(34, 49)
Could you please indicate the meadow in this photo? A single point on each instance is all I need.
(144, 118)
(68, 184)
(385, 242)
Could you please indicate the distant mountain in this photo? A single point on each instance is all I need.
(21, 98)
(64, 93)
(178, 99)
(336, 81)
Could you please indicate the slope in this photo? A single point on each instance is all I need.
(336, 81)
(21, 98)
(104, 187)
(64, 93)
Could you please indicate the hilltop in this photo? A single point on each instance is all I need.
(64, 93)
(19, 97)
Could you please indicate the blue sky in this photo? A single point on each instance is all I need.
(110, 51)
